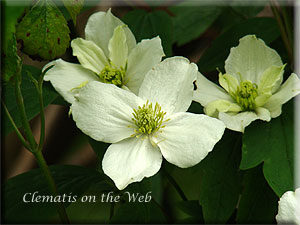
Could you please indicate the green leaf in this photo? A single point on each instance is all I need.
(215, 56)
(141, 212)
(44, 31)
(273, 144)
(10, 59)
(220, 183)
(258, 204)
(73, 7)
(248, 11)
(30, 96)
(70, 180)
(191, 21)
(193, 209)
(150, 24)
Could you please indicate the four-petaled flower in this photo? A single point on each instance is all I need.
(251, 86)
(108, 54)
(146, 127)
(289, 208)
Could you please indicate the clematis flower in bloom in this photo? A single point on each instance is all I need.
(109, 54)
(146, 127)
(251, 87)
(289, 208)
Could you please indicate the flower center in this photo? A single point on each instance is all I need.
(148, 119)
(111, 75)
(246, 94)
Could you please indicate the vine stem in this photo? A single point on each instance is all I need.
(33, 147)
(51, 184)
(283, 32)
(175, 185)
(20, 103)
(20, 136)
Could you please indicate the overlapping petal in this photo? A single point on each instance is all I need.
(250, 59)
(207, 91)
(288, 90)
(188, 138)
(89, 55)
(131, 160)
(271, 79)
(100, 28)
(117, 47)
(143, 58)
(238, 122)
(221, 105)
(171, 84)
(104, 112)
(66, 77)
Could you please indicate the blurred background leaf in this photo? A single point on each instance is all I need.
(215, 56)
(190, 21)
(73, 7)
(147, 25)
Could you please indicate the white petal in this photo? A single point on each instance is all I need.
(131, 160)
(271, 79)
(89, 55)
(263, 114)
(100, 28)
(238, 122)
(250, 59)
(228, 82)
(65, 77)
(289, 208)
(188, 138)
(288, 90)
(143, 58)
(262, 99)
(208, 91)
(104, 112)
(170, 83)
(117, 47)
(221, 105)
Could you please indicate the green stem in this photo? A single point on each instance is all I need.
(175, 185)
(20, 136)
(112, 209)
(288, 26)
(283, 33)
(51, 184)
(20, 103)
(42, 115)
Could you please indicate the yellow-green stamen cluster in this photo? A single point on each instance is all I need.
(111, 75)
(246, 94)
(148, 119)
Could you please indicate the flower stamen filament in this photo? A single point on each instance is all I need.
(148, 119)
(245, 95)
(111, 75)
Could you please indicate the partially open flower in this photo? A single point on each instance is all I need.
(289, 208)
(109, 54)
(251, 86)
(146, 127)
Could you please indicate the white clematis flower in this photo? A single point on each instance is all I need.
(109, 54)
(146, 127)
(251, 86)
(289, 208)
